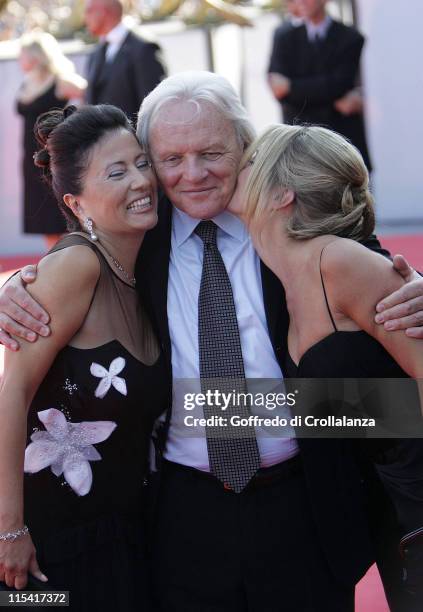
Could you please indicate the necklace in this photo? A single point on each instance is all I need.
(131, 279)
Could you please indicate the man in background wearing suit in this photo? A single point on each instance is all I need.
(313, 71)
(124, 67)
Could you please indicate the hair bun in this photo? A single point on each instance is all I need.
(69, 110)
(46, 123)
(42, 158)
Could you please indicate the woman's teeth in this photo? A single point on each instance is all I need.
(141, 204)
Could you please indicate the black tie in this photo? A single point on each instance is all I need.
(233, 451)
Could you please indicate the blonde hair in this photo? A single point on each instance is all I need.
(47, 50)
(326, 173)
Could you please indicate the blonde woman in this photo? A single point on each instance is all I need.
(50, 81)
(303, 192)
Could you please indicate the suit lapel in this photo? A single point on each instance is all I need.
(121, 59)
(329, 44)
(153, 269)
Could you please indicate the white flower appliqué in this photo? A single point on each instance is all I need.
(67, 447)
(109, 377)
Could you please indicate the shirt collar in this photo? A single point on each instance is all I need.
(184, 225)
(320, 29)
(117, 34)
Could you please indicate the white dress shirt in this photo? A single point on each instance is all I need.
(115, 39)
(318, 30)
(243, 267)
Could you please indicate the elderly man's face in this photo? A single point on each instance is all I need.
(196, 155)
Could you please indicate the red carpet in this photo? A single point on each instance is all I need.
(409, 246)
(369, 594)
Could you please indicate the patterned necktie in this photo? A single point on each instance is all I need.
(233, 453)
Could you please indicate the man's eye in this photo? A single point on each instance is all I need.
(171, 161)
(212, 155)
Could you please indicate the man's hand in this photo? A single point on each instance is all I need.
(350, 104)
(20, 315)
(403, 309)
(279, 84)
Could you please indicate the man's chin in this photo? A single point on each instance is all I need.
(202, 211)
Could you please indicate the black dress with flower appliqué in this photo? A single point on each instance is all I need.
(89, 427)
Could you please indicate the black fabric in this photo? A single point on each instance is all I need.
(261, 552)
(41, 214)
(395, 508)
(320, 73)
(126, 79)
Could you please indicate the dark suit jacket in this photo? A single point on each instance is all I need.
(320, 75)
(333, 478)
(128, 78)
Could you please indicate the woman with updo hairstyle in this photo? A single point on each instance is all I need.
(303, 192)
(77, 407)
(50, 81)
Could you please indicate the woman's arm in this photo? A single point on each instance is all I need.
(357, 280)
(65, 286)
(71, 87)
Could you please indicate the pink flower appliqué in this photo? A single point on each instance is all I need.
(67, 447)
(109, 377)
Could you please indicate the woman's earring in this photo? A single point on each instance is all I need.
(89, 226)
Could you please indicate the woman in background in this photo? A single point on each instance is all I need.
(303, 192)
(50, 81)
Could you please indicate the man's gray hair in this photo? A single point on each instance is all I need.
(196, 87)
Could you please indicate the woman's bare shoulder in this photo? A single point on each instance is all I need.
(75, 268)
(350, 269)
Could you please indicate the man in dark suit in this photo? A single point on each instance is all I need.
(313, 71)
(296, 537)
(124, 67)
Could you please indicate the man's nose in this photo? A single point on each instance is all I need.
(194, 170)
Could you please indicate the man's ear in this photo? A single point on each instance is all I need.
(283, 200)
(72, 203)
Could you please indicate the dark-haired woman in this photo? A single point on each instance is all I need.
(303, 191)
(77, 408)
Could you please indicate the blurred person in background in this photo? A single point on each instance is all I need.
(124, 67)
(313, 73)
(50, 81)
